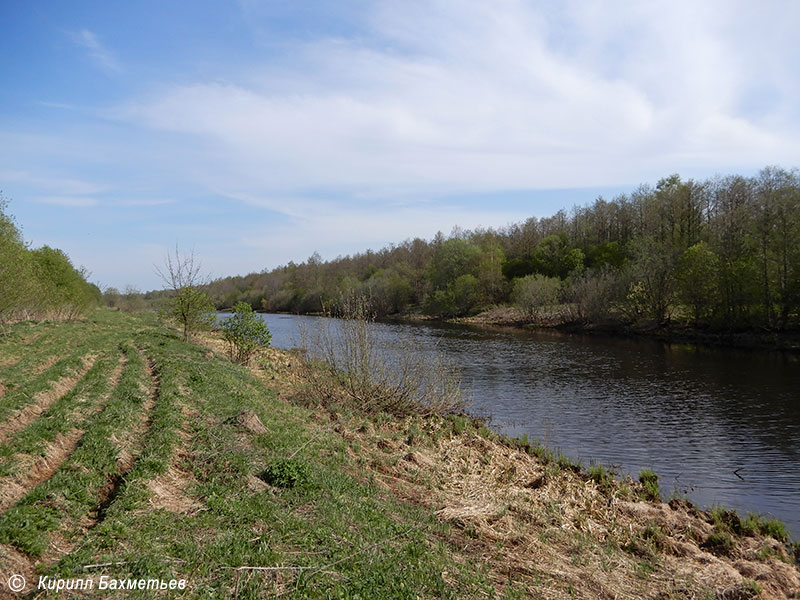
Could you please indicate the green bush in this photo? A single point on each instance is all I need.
(286, 473)
(534, 293)
(41, 283)
(245, 333)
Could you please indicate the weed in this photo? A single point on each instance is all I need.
(602, 477)
(648, 543)
(719, 542)
(458, 424)
(649, 481)
(286, 473)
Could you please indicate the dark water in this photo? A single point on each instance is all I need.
(721, 426)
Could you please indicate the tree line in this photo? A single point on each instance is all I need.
(722, 252)
(39, 283)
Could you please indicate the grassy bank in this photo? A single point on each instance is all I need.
(128, 453)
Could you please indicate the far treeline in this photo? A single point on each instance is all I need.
(722, 253)
(39, 284)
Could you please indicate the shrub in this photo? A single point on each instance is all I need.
(350, 359)
(286, 473)
(191, 309)
(187, 305)
(591, 296)
(245, 333)
(533, 293)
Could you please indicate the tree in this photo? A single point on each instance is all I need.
(64, 289)
(697, 275)
(189, 306)
(592, 295)
(533, 292)
(452, 259)
(245, 333)
(653, 274)
(17, 282)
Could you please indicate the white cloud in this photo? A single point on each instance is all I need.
(474, 96)
(148, 202)
(61, 185)
(101, 55)
(70, 201)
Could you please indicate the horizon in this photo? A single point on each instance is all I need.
(258, 134)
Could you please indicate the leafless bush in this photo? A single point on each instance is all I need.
(590, 297)
(352, 359)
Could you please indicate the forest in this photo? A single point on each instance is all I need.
(39, 284)
(720, 253)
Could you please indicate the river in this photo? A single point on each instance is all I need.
(720, 426)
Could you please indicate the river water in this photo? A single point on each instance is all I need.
(720, 426)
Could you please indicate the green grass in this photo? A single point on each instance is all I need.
(752, 525)
(76, 488)
(67, 412)
(649, 481)
(290, 498)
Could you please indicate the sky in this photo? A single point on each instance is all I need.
(258, 132)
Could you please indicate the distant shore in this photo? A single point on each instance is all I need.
(507, 316)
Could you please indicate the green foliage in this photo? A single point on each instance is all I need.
(533, 293)
(64, 288)
(16, 270)
(245, 333)
(191, 309)
(553, 257)
(40, 283)
(452, 259)
(457, 299)
(606, 254)
(653, 274)
(721, 253)
(697, 279)
(286, 473)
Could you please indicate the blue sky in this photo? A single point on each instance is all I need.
(260, 132)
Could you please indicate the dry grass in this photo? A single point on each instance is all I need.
(170, 492)
(533, 523)
(548, 529)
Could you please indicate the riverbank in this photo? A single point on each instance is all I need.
(237, 480)
(509, 316)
